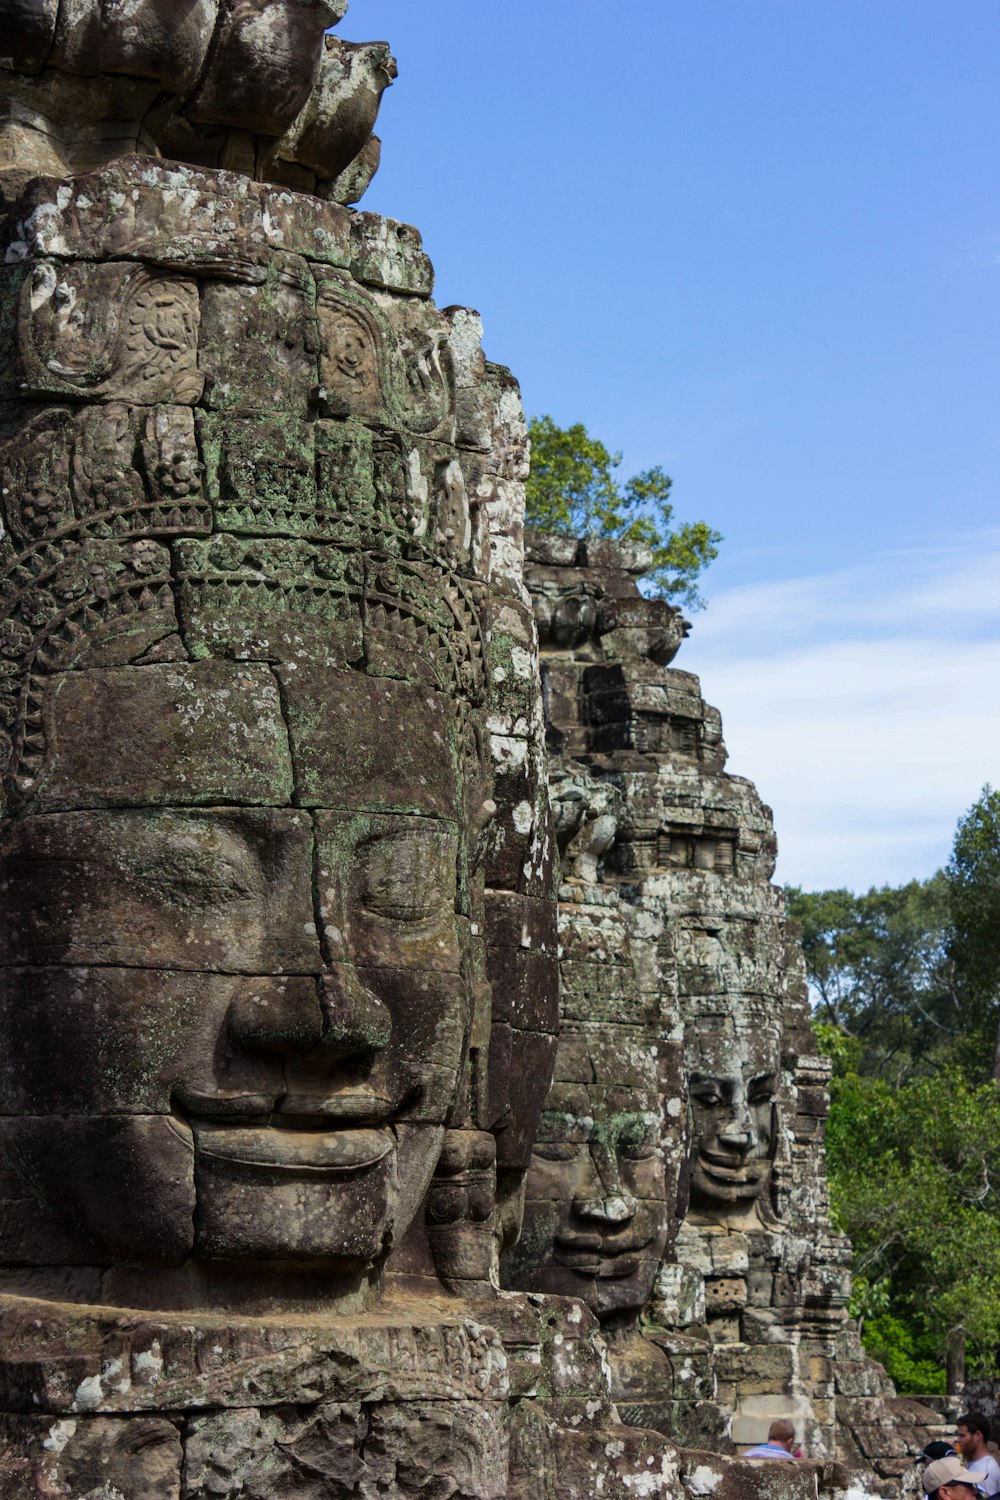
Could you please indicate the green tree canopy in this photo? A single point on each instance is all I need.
(574, 488)
(973, 876)
(906, 987)
(915, 1181)
(880, 971)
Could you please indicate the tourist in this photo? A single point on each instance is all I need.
(780, 1442)
(946, 1479)
(972, 1434)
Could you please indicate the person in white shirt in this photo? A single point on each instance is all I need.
(972, 1433)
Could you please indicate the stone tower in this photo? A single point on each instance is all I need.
(674, 942)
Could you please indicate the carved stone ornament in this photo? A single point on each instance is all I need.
(252, 85)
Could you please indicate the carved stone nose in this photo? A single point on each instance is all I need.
(276, 1016)
(354, 1018)
(613, 1205)
(335, 1015)
(617, 1208)
(739, 1134)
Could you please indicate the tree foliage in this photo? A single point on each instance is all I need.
(881, 971)
(906, 987)
(973, 877)
(915, 1182)
(574, 488)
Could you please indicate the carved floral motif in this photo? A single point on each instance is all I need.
(109, 331)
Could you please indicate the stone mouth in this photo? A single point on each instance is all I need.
(726, 1169)
(355, 1106)
(592, 1255)
(294, 1146)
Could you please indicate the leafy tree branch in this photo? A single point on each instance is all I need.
(574, 488)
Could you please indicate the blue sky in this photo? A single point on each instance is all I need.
(757, 242)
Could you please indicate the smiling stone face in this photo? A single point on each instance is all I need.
(234, 1001)
(732, 1084)
(596, 1221)
(266, 676)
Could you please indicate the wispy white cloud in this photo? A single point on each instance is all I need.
(864, 703)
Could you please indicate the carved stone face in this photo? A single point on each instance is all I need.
(235, 945)
(595, 1221)
(731, 1091)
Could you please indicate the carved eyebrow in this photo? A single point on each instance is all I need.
(424, 826)
(573, 1129)
(435, 847)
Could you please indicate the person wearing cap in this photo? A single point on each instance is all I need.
(946, 1479)
(972, 1433)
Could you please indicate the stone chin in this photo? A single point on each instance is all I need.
(609, 1294)
(281, 1194)
(606, 1291)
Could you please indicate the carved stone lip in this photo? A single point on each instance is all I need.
(726, 1170)
(592, 1255)
(354, 1105)
(358, 1106)
(294, 1148)
(603, 1267)
(619, 1268)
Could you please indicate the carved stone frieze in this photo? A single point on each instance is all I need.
(102, 332)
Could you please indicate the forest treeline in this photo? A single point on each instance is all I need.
(905, 983)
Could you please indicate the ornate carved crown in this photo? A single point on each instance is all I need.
(228, 444)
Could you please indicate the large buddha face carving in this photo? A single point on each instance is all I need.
(595, 1220)
(731, 1090)
(234, 993)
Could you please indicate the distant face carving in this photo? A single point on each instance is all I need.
(234, 1001)
(595, 1221)
(731, 1094)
